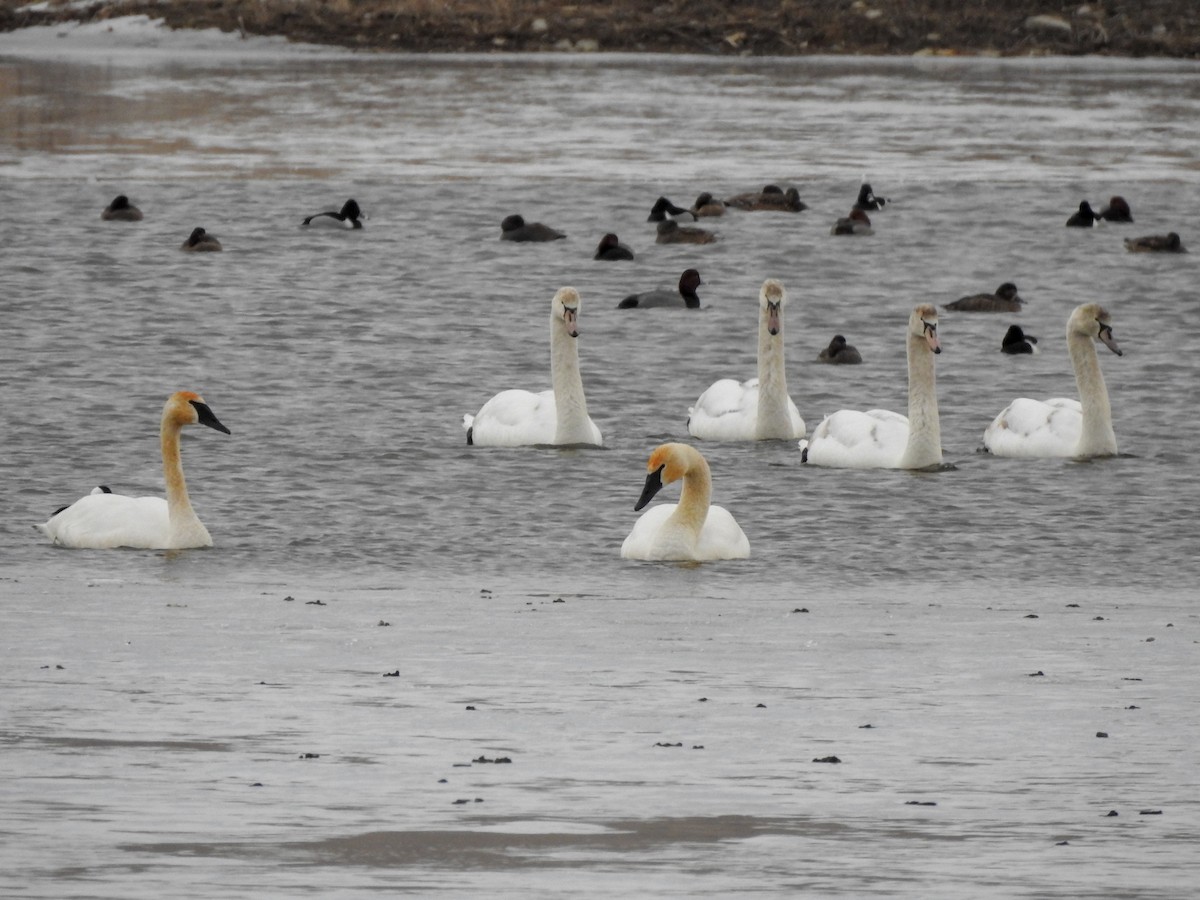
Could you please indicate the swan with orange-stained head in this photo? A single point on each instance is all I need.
(559, 416)
(759, 409)
(103, 520)
(1063, 426)
(879, 438)
(692, 529)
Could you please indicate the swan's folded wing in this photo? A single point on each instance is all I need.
(515, 418)
(727, 411)
(641, 542)
(1036, 428)
(853, 439)
(722, 537)
(104, 521)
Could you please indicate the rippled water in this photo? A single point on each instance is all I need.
(344, 362)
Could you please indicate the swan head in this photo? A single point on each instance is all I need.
(770, 302)
(566, 309)
(923, 323)
(1093, 321)
(188, 408)
(667, 463)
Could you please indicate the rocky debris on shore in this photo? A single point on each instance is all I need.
(754, 27)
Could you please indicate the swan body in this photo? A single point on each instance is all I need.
(759, 409)
(517, 418)
(103, 520)
(879, 439)
(1064, 427)
(350, 216)
(692, 529)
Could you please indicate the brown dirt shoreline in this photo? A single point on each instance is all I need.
(1135, 28)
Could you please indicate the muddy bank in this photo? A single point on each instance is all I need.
(879, 27)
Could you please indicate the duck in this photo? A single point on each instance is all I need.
(121, 210)
(1006, 299)
(671, 232)
(1085, 217)
(664, 210)
(867, 200)
(513, 228)
(103, 520)
(1155, 243)
(1117, 210)
(559, 416)
(856, 222)
(692, 530)
(839, 353)
(200, 241)
(759, 409)
(881, 439)
(1063, 426)
(707, 206)
(350, 216)
(1016, 341)
(684, 297)
(611, 249)
(771, 198)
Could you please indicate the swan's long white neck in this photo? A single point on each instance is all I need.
(574, 426)
(182, 517)
(774, 418)
(1096, 437)
(924, 446)
(695, 497)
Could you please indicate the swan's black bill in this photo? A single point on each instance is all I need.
(206, 417)
(654, 484)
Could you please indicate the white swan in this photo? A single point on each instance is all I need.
(1062, 426)
(879, 439)
(691, 529)
(103, 520)
(759, 409)
(517, 418)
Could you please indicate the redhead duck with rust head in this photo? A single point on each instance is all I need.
(684, 297)
(611, 249)
(1117, 211)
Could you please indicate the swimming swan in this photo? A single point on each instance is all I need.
(103, 520)
(517, 418)
(759, 409)
(879, 439)
(1063, 427)
(691, 529)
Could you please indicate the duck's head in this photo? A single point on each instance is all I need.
(188, 408)
(197, 235)
(566, 309)
(119, 202)
(1008, 291)
(608, 242)
(770, 303)
(1093, 320)
(512, 223)
(923, 324)
(689, 281)
(351, 211)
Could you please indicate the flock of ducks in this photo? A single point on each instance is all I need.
(758, 408)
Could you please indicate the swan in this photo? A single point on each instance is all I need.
(1063, 426)
(103, 520)
(879, 439)
(517, 418)
(759, 409)
(691, 529)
